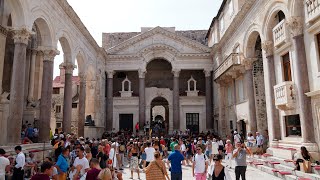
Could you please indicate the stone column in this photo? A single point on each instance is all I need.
(222, 120)
(82, 104)
(235, 103)
(21, 38)
(32, 74)
(109, 123)
(46, 93)
(209, 118)
(142, 103)
(176, 99)
(301, 79)
(3, 37)
(248, 78)
(67, 98)
(27, 73)
(273, 115)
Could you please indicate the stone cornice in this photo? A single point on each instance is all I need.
(78, 23)
(158, 30)
(134, 56)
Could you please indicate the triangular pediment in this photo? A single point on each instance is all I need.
(158, 38)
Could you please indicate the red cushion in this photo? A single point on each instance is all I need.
(288, 160)
(273, 162)
(302, 178)
(317, 167)
(284, 172)
(275, 170)
(266, 155)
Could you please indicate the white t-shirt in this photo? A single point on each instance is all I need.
(183, 147)
(83, 162)
(200, 163)
(3, 163)
(237, 138)
(215, 147)
(150, 153)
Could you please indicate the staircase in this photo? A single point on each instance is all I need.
(281, 167)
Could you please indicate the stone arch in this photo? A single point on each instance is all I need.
(250, 40)
(45, 34)
(81, 60)
(158, 51)
(268, 22)
(15, 9)
(66, 48)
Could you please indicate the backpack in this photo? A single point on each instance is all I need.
(194, 157)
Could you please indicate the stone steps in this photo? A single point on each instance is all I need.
(281, 168)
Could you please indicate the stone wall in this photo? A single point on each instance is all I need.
(196, 35)
(112, 39)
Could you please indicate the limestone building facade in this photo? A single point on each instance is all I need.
(266, 70)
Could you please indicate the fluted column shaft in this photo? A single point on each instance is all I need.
(21, 38)
(209, 119)
(142, 103)
(3, 36)
(67, 98)
(82, 105)
(109, 123)
(46, 94)
(222, 121)
(27, 73)
(176, 99)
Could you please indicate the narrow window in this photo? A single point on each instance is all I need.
(286, 67)
(74, 105)
(58, 109)
(293, 126)
(56, 91)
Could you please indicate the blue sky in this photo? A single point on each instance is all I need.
(130, 15)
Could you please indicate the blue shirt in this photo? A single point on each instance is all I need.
(175, 158)
(62, 163)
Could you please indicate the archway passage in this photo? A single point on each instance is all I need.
(159, 116)
(159, 74)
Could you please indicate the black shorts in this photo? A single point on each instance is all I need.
(147, 163)
(220, 148)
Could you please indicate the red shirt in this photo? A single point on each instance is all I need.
(40, 177)
(163, 142)
(107, 149)
(93, 174)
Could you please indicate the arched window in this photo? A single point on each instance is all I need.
(192, 87)
(126, 88)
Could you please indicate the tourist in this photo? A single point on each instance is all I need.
(112, 156)
(4, 164)
(173, 143)
(122, 150)
(220, 146)
(215, 148)
(46, 172)
(150, 153)
(217, 171)
(175, 158)
(18, 171)
(147, 128)
(80, 165)
(54, 175)
(236, 137)
(29, 132)
(189, 151)
(31, 165)
(105, 174)
(229, 149)
(93, 173)
(260, 142)
(137, 128)
(303, 160)
(102, 157)
(62, 164)
(88, 153)
(199, 165)
(208, 146)
(250, 140)
(134, 160)
(239, 155)
(156, 170)
(143, 155)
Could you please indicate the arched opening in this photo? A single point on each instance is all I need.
(159, 74)
(254, 50)
(276, 18)
(159, 122)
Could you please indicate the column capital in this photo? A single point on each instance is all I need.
(207, 72)
(248, 63)
(83, 77)
(267, 46)
(142, 73)
(295, 24)
(233, 75)
(21, 36)
(110, 74)
(176, 72)
(34, 51)
(49, 54)
(3, 30)
(68, 67)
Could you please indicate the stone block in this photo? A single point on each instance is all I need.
(93, 131)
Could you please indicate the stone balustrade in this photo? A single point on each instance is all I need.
(231, 60)
(312, 10)
(280, 33)
(284, 95)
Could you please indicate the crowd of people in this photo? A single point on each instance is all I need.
(104, 159)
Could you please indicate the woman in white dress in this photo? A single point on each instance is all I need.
(215, 148)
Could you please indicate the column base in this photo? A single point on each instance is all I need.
(93, 131)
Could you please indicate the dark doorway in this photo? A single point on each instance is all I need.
(243, 129)
(159, 123)
(192, 122)
(126, 122)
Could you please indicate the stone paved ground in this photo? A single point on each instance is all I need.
(252, 174)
